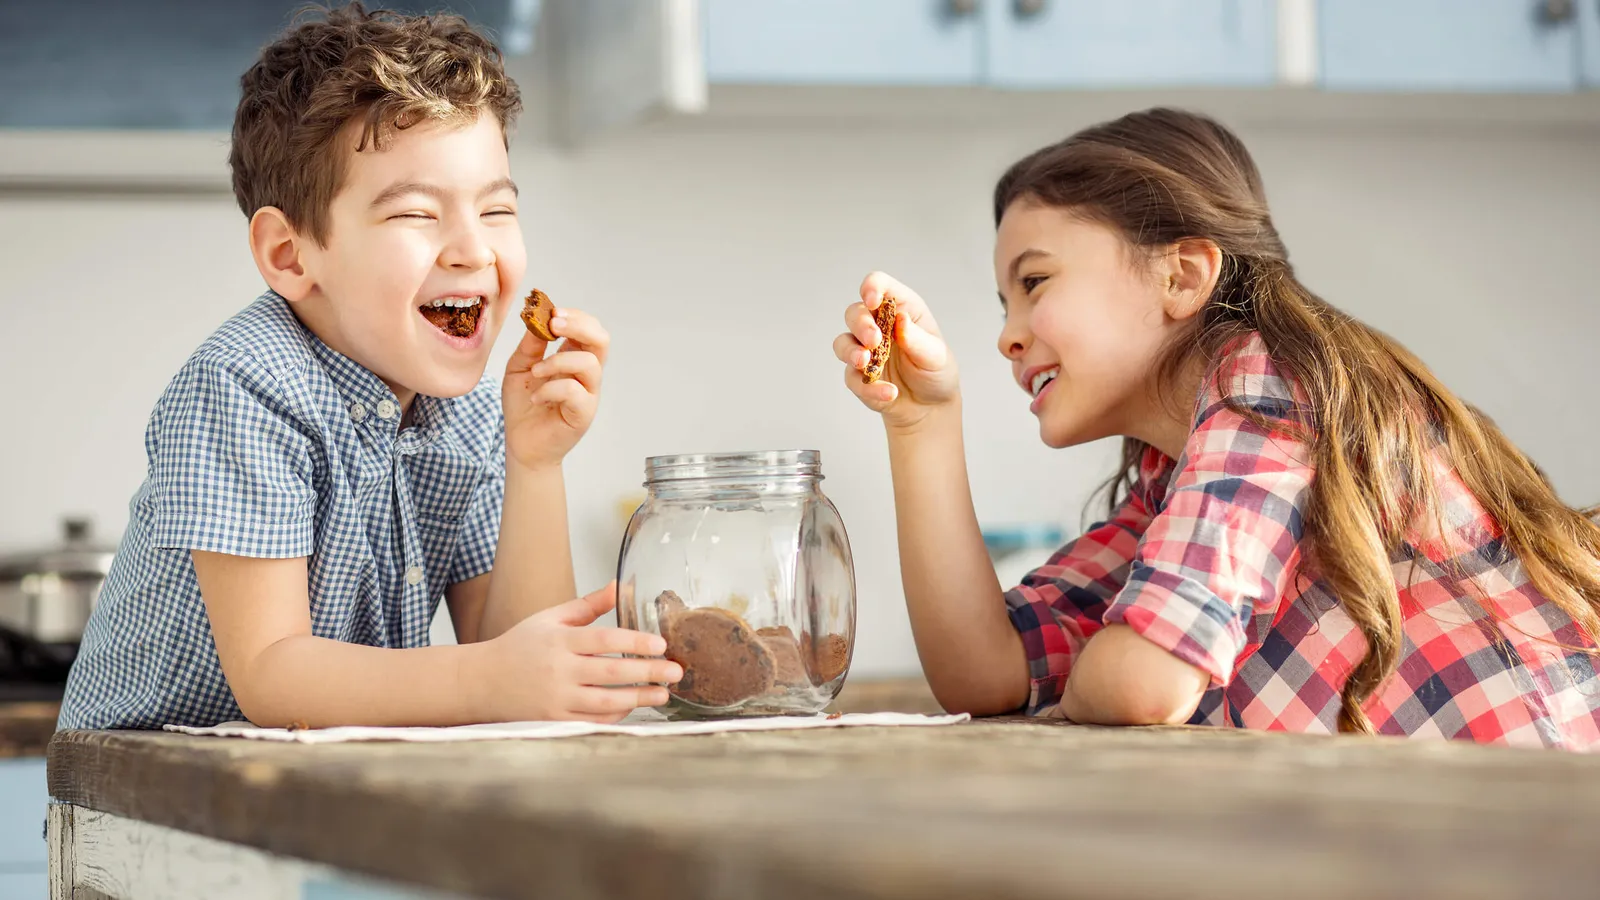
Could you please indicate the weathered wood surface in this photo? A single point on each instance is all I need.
(989, 809)
(100, 855)
(25, 728)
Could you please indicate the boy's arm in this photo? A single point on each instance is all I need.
(280, 673)
(533, 557)
(550, 667)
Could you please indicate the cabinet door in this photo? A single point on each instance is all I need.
(1484, 45)
(1091, 43)
(841, 42)
(1589, 41)
(23, 796)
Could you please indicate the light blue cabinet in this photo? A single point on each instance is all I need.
(1589, 40)
(24, 857)
(1481, 45)
(1131, 43)
(841, 42)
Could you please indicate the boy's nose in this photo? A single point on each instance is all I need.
(467, 250)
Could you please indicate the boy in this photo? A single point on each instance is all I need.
(332, 460)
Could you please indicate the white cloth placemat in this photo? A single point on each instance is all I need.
(642, 723)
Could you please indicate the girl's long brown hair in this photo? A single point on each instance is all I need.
(1377, 416)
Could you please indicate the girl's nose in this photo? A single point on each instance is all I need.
(1014, 338)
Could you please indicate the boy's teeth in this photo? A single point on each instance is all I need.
(456, 302)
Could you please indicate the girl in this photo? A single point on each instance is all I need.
(1309, 533)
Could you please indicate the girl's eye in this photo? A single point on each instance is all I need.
(1029, 282)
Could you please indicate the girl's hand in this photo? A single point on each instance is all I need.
(921, 374)
(550, 403)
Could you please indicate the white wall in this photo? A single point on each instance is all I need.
(722, 257)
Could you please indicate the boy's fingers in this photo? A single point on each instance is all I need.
(585, 609)
(582, 365)
(581, 332)
(600, 641)
(605, 671)
(573, 400)
(601, 701)
(528, 353)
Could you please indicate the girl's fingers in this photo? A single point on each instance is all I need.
(849, 351)
(920, 348)
(862, 326)
(877, 396)
(582, 365)
(581, 331)
(906, 300)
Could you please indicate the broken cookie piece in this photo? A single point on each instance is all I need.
(536, 314)
(789, 670)
(878, 358)
(724, 661)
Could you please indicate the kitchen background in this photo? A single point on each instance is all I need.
(713, 178)
(718, 221)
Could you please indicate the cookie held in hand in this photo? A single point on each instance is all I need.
(878, 359)
(536, 314)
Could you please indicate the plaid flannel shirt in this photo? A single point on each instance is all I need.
(1204, 560)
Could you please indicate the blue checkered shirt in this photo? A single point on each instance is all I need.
(269, 444)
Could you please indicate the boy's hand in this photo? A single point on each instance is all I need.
(550, 667)
(921, 373)
(550, 403)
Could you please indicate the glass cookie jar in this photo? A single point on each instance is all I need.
(742, 564)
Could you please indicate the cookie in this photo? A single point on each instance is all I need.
(828, 657)
(536, 314)
(723, 659)
(789, 670)
(878, 358)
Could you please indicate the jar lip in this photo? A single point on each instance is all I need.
(769, 463)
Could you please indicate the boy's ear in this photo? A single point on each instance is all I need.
(1189, 274)
(279, 251)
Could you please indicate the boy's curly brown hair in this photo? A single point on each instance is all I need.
(387, 70)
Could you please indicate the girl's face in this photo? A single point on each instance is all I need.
(1086, 324)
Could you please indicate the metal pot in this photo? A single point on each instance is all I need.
(46, 595)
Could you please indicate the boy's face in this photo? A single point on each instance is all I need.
(422, 260)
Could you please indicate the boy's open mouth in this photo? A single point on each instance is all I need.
(455, 316)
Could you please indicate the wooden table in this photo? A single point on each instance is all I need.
(995, 808)
(25, 728)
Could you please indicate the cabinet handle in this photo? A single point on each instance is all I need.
(1556, 12)
(1027, 9)
(962, 8)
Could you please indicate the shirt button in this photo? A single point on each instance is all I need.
(357, 412)
(387, 409)
(414, 575)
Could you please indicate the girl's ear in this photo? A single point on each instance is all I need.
(1189, 274)
(279, 251)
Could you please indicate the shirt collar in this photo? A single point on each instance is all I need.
(366, 398)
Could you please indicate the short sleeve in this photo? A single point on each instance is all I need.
(480, 525)
(1061, 604)
(231, 466)
(1228, 537)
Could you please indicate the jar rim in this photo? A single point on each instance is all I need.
(744, 463)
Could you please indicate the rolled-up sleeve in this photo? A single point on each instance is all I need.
(1061, 604)
(1227, 538)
